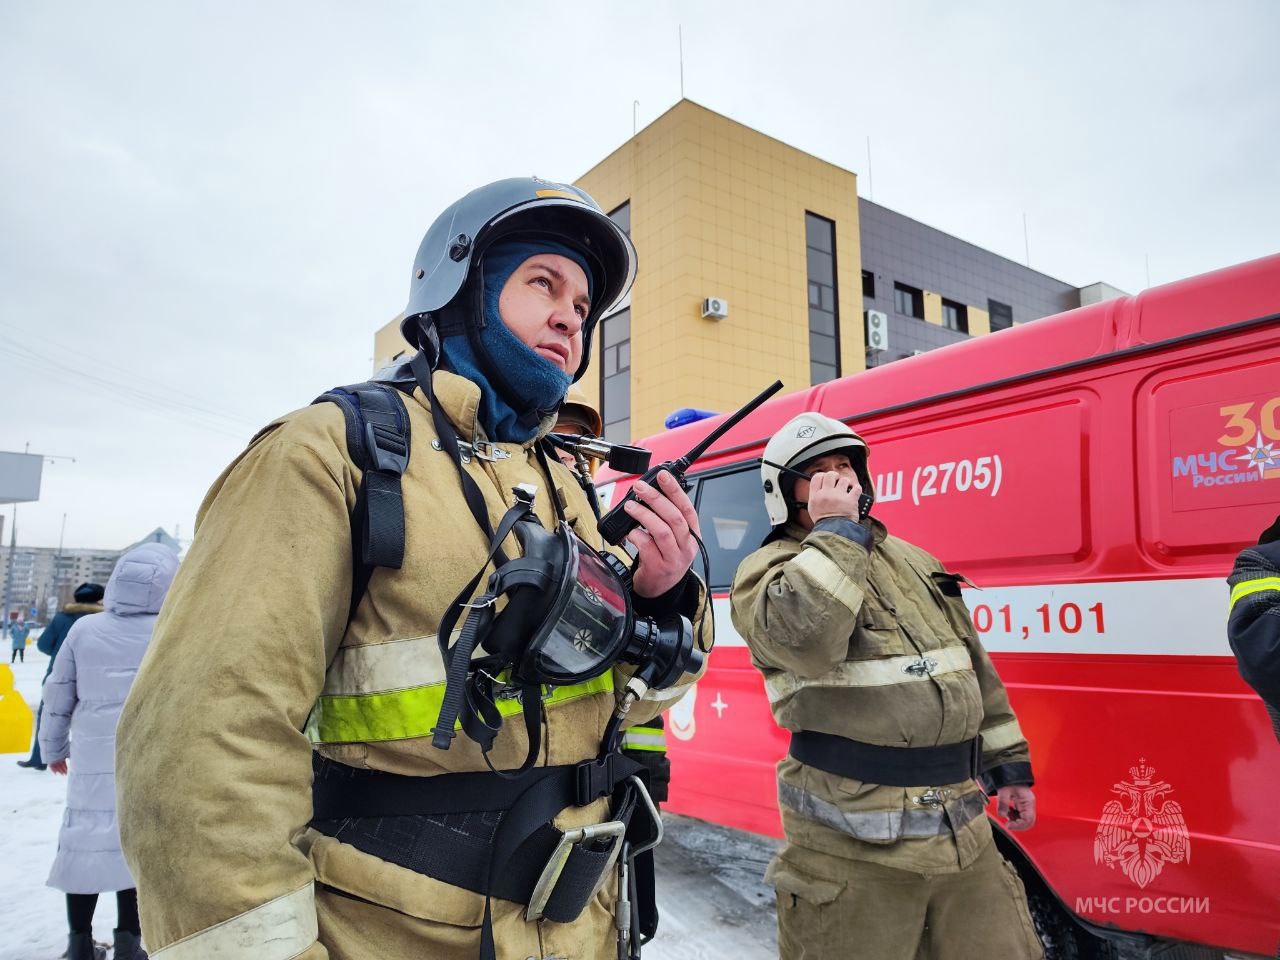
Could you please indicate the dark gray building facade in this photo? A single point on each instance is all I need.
(910, 271)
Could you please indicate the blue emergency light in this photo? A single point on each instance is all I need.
(687, 415)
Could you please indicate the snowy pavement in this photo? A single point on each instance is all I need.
(711, 893)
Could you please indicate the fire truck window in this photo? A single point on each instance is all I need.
(733, 520)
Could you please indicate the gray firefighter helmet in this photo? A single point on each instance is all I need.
(525, 207)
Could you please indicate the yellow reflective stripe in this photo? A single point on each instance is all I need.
(1001, 736)
(887, 671)
(1247, 587)
(279, 929)
(824, 571)
(404, 714)
(644, 738)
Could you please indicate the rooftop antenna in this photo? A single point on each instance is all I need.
(635, 105)
(1026, 238)
(680, 29)
(1147, 257)
(871, 187)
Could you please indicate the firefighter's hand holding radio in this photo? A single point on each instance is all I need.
(664, 541)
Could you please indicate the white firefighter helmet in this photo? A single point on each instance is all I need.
(805, 438)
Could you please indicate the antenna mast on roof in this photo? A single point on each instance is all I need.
(680, 29)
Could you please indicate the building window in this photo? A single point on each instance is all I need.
(733, 520)
(1001, 315)
(868, 284)
(955, 316)
(622, 217)
(908, 301)
(824, 339)
(615, 359)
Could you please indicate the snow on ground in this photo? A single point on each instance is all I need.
(711, 893)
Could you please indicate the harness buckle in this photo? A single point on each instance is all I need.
(483, 450)
(932, 798)
(550, 876)
(386, 449)
(923, 667)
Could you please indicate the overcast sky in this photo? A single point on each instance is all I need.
(207, 209)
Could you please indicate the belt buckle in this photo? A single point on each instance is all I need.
(550, 875)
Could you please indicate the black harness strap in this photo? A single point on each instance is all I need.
(888, 766)
(378, 442)
(351, 803)
(449, 441)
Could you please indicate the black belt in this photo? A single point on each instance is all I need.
(889, 766)
(483, 832)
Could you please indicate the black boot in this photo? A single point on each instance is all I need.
(82, 947)
(128, 946)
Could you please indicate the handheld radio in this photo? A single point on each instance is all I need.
(617, 523)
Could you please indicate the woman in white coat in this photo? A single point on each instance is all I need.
(82, 702)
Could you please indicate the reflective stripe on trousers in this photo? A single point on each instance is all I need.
(883, 826)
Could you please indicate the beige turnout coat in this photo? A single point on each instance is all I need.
(253, 662)
(875, 645)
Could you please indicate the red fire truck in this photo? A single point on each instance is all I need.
(1094, 474)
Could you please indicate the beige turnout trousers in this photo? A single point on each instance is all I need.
(832, 908)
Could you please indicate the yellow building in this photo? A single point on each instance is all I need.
(717, 211)
(752, 269)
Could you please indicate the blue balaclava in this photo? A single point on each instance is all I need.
(514, 415)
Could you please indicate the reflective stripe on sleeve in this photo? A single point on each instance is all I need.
(279, 929)
(1247, 587)
(886, 671)
(826, 573)
(1001, 736)
(644, 738)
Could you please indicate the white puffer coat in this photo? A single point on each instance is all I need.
(82, 702)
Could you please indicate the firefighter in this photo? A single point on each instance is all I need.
(894, 709)
(264, 675)
(1253, 626)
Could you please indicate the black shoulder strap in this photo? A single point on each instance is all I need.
(378, 442)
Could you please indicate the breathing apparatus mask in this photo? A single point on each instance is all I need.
(568, 618)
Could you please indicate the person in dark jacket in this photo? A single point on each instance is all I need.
(87, 600)
(1253, 626)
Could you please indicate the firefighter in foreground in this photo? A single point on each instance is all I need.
(294, 627)
(895, 711)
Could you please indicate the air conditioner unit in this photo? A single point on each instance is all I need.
(715, 307)
(877, 329)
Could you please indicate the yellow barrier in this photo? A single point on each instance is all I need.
(16, 718)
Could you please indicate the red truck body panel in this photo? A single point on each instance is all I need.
(1095, 473)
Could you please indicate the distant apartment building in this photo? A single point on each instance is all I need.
(44, 578)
